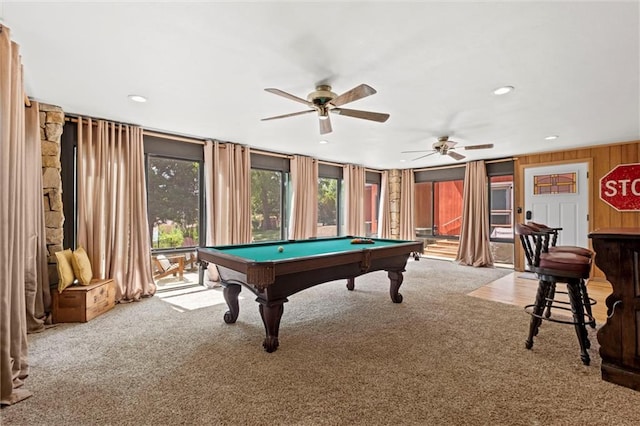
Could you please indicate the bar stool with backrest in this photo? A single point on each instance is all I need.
(554, 248)
(551, 268)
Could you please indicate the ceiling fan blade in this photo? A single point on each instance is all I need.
(288, 96)
(367, 115)
(325, 125)
(431, 153)
(455, 155)
(288, 115)
(485, 146)
(354, 94)
(420, 150)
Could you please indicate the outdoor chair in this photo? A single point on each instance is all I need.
(164, 267)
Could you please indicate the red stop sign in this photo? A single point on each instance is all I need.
(620, 188)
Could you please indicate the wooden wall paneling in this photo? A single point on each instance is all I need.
(548, 158)
(615, 158)
(601, 210)
(570, 155)
(518, 199)
(602, 159)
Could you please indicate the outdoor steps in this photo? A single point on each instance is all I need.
(442, 248)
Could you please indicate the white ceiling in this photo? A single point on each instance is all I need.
(204, 66)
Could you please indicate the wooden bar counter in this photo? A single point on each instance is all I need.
(618, 256)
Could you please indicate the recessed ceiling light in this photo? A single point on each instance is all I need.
(402, 161)
(552, 137)
(137, 98)
(322, 142)
(503, 90)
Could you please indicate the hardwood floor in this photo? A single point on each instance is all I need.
(519, 289)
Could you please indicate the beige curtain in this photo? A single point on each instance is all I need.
(16, 209)
(354, 183)
(303, 222)
(228, 193)
(112, 206)
(407, 206)
(475, 249)
(384, 215)
(38, 298)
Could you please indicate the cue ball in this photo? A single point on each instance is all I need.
(280, 249)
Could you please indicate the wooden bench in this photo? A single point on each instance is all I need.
(80, 303)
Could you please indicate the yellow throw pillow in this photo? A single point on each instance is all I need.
(65, 270)
(82, 266)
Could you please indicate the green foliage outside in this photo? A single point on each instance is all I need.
(266, 203)
(174, 201)
(327, 201)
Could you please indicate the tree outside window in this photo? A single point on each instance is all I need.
(266, 205)
(173, 202)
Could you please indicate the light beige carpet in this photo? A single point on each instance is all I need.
(438, 358)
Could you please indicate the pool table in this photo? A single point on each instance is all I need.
(275, 270)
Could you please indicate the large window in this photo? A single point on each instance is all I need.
(501, 200)
(328, 196)
(269, 197)
(438, 203)
(173, 197)
(267, 189)
(330, 193)
(371, 203)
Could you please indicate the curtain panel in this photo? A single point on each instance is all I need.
(407, 206)
(475, 247)
(303, 222)
(16, 211)
(228, 193)
(384, 213)
(38, 297)
(354, 183)
(112, 206)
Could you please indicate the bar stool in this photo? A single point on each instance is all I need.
(553, 248)
(552, 268)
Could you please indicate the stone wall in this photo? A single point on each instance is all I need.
(51, 125)
(395, 180)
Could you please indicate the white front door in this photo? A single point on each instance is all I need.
(567, 210)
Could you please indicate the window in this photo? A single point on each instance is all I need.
(564, 183)
(269, 197)
(501, 201)
(173, 197)
(328, 196)
(501, 211)
(267, 188)
(371, 203)
(439, 208)
(330, 193)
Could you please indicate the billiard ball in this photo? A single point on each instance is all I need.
(280, 249)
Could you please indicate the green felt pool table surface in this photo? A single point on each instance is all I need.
(268, 252)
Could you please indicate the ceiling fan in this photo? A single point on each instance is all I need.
(444, 146)
(323, 101)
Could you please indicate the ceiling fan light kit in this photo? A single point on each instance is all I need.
(323, 101)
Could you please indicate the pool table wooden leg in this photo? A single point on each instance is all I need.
(396, 281)
(230, 293)
(351, 284)
(271, 314)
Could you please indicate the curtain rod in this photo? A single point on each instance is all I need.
(172, 137)
(271, 154)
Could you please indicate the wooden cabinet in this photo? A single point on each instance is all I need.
(618, 256)
(83, 303)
